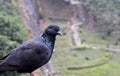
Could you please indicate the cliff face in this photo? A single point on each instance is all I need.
(55, 8)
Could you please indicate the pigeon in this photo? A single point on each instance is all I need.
(31, 54)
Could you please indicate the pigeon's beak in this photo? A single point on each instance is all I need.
(59, 33)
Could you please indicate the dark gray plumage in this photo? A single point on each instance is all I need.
(32, 54)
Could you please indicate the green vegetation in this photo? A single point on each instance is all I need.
(11, 31)
(110, 69)
(106, 12)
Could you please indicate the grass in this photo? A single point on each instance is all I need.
(104, 70)
(64, 57)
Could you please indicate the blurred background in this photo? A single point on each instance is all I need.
(90, 45)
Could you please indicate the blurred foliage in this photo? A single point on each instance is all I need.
(11, 31)
(106, 12)
(10, 36)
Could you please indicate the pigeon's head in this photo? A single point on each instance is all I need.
(53, 30)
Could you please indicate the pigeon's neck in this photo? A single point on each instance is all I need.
(49, 40)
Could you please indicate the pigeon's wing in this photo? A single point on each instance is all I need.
(25, 50)
(25, 54)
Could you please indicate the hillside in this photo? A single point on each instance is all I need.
(102, 17)
(65, 56)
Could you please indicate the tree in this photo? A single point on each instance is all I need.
(106, 13)
(11, 32)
